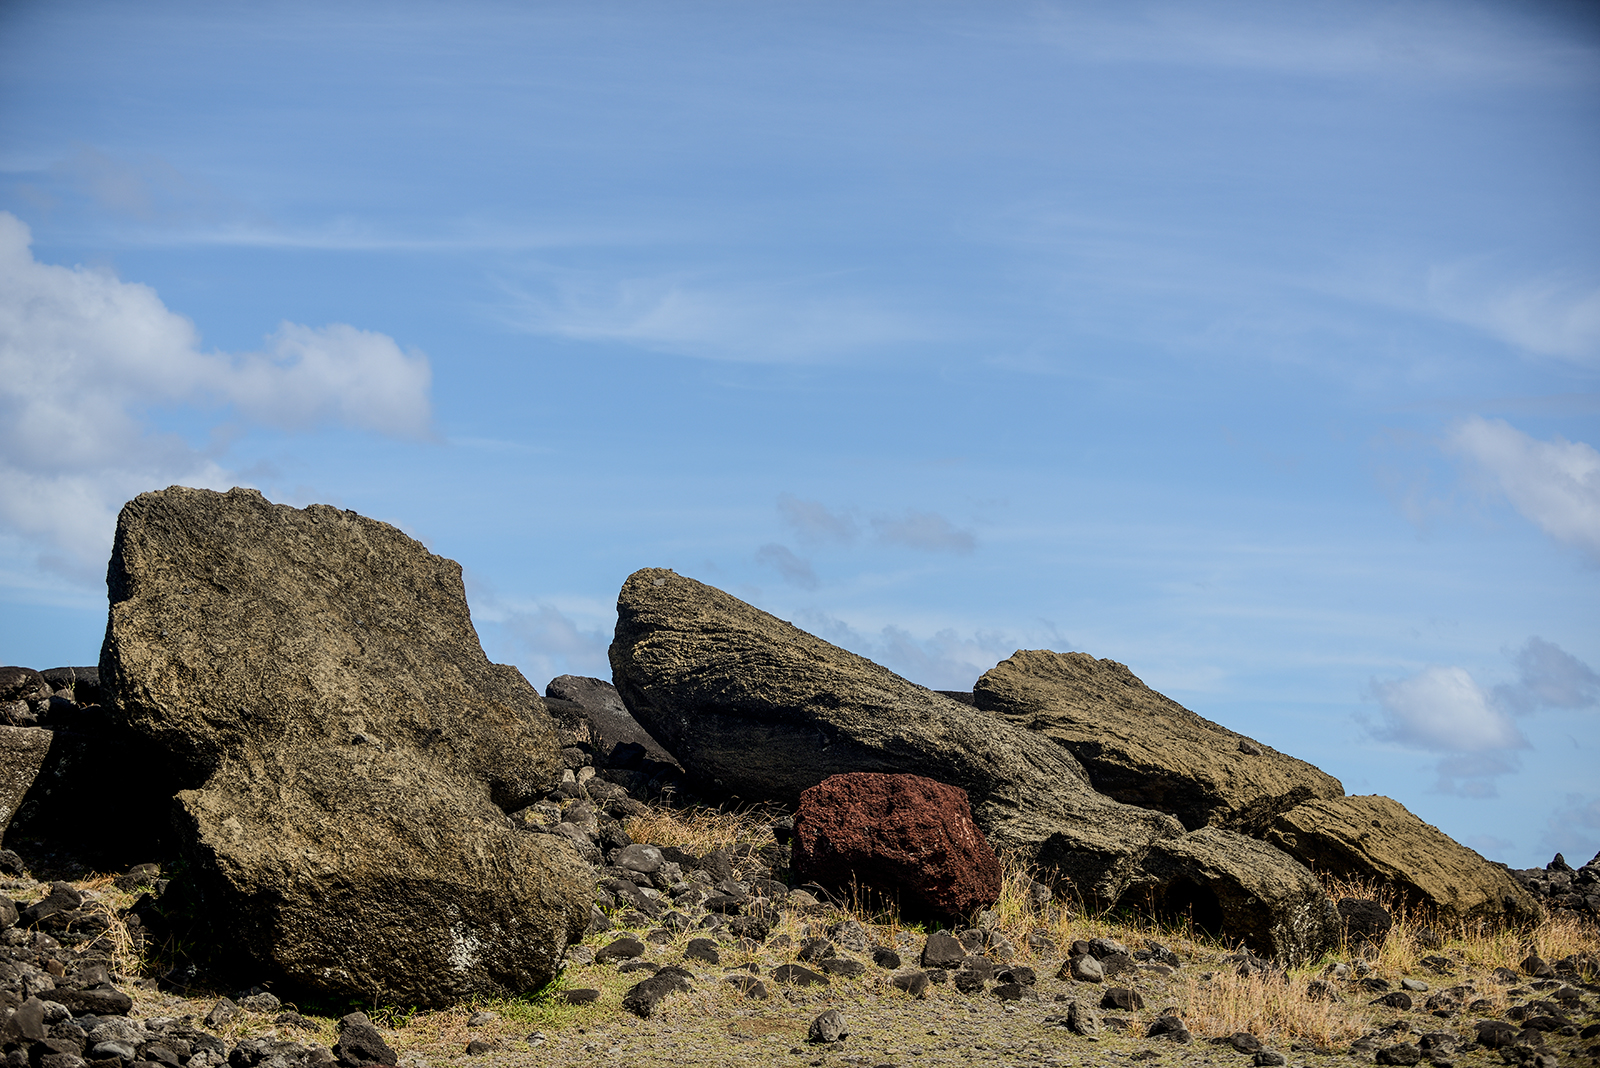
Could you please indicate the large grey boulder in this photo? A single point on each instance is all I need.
(22, 753)
(766, 711)
(1144, 748)
(314, 678)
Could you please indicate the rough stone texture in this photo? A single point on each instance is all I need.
(1145, 749)
(609, 722)
(1245, 889)
(1376, 838)
(1366, 923)
(315, 677)
(22, 684)
(910, 839)
(22, 753)
(765, 711)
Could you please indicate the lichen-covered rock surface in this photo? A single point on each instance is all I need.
(1377, 839)
(1143, 748)
(314, 679)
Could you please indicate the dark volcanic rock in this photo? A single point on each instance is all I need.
(909, 839)
(610, 724)
(360, 1045)
(1365, 921)
(643, 998)
(22, 753)
(1375, 839)
(315, 678)
(23, 684)
(765, 711)
(1145, 749)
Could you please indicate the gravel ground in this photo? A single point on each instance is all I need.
(713, 1024)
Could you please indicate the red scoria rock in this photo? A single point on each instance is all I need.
(905, 837)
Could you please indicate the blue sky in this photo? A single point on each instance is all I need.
(1256, 346)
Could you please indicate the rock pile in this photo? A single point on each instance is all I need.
(60, 1006)
(1558, 886)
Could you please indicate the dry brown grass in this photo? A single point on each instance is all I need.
(700, 830)
(1274, 1008)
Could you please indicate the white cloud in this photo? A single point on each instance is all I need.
(795, 570)
(927, 531)
(547, 643)
(1574, 829)
(1556, 484)
(83, 353)
(1444, 710)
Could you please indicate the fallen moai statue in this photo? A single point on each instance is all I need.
(346, 753)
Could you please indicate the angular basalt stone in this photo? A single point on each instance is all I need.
(314, 680)
(607, 718)
(643, 999)
(909, 839)
(1143, 748)
(761, 709)
(1376, 839)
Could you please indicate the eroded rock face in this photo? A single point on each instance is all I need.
(908, 838)
(766, 711)
(1377, 839)
(1145, 749)
(1246, 889)
(314, 677)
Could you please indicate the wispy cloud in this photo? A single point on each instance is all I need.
(793, 569)
(1550, 315)
(944, 660)
(815, 523)
(82, 354)
(927, 531)
(1429, 42)
(539, 636)
(1574, 828)
(688, 314)
(1555, 484)
(1548, 677)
